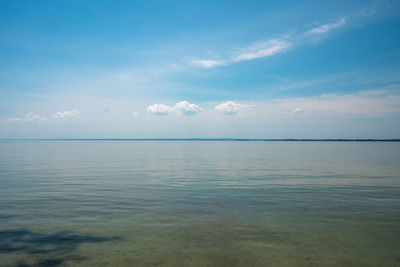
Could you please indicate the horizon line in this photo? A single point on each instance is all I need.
(214, 139)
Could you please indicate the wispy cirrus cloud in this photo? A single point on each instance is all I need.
(270, 47)
(326, 27)
(256, 50)
(262, 49)
(208, 63)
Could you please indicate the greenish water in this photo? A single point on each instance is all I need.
(199, 203)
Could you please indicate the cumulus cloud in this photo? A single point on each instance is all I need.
(183, 108)
(186, 108)
(159, 109)
(326, 27)
(67, 115)
(230, 107)
(29, 117)
(262, 49)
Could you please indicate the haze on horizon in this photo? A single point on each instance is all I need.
(178, 69)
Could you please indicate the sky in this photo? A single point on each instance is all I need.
(200, 69)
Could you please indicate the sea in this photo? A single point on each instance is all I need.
(199, 203)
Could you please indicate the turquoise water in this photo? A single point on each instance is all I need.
(199, 203)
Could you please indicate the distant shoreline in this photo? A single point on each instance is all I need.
(211, 139)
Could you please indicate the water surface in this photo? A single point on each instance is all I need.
(199, 203)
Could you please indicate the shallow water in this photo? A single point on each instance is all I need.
(199, 203)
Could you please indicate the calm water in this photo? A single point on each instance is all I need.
(188, 203)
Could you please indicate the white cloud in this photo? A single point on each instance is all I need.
(30, 117)
(326, 27)
(186, 108)
(266, 48)
(262, 49)
(207, 63)
(257, 50)
(296, 110)
(230, 107)
(135, 114)
(183, 108)
(67, 115)
(159, 109)
(332, 104)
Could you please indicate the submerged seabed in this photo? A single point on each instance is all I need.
(208, 203)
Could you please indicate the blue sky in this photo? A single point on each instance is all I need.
(209, 69)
